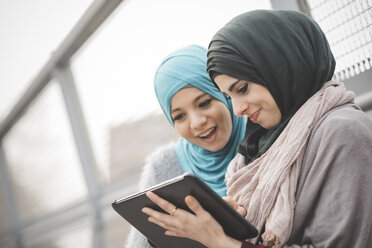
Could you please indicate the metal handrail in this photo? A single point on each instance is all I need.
(91, 20)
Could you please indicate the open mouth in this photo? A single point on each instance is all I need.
(208, 134)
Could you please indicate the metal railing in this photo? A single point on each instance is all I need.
(58, 67)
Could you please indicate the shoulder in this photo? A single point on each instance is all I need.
(163, 154)
(161, 165)
(336, 168)
(340, 138)
(343, 124)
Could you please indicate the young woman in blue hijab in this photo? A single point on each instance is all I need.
(202, 116)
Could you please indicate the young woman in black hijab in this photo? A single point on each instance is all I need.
(303, 173)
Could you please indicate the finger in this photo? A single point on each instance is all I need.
(169, 233)
(162, 224)
(156, 214)
(176, 220)
(161, 219)
(241, 210)
(165, 226)
(175, 234)
(230, 201)
(163, 204)
(157, 222)
(166, 222)
(194, 205)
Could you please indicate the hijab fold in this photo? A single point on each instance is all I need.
(184, 68)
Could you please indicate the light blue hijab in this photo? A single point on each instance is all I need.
(182, 68)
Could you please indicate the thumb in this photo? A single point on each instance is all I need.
(230, 201)
(241, 210)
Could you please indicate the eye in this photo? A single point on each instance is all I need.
(178, 117)
(205, 103)
(243, 88)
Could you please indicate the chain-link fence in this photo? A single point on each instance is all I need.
(348, 27)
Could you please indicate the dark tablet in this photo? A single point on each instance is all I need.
(175, 190)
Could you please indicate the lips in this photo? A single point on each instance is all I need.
(209, 135)
(255, 115)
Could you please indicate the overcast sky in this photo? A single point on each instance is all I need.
(114, 70)
(31, 30)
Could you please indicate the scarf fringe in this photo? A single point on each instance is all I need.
(271, 240)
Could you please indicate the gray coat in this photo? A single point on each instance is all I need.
(334, 192)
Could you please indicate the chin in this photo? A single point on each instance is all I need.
(270, 126)
(216, 148)
(213, 149)
(266, 126)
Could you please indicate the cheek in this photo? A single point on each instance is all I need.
(278, 115)
(275, 110)
(228, 125)
(275, 113)
(182, 130)
(225, 120)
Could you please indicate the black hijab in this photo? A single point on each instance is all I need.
(285, 51)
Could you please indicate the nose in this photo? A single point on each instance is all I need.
(198, 121)
(239, 107)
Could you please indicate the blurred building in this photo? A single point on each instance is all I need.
(130, 144)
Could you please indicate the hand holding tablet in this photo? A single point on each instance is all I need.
(170, 196)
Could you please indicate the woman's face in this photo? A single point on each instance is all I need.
(250, 99)
(201, 119)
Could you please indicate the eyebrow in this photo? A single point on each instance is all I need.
(233, 85)
(195, 100)
(175, 110)
(199, 96)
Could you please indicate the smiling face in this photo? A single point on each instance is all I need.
(250, 99)
(201, 119)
